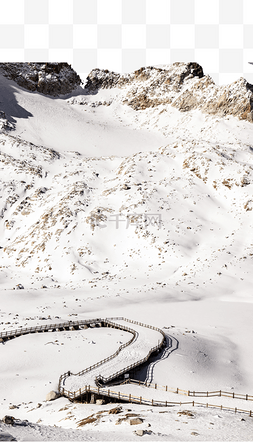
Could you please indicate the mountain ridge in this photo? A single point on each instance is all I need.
(183, 85)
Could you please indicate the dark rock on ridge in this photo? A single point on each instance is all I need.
(47, 78)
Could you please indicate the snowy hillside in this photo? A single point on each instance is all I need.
(136, 191)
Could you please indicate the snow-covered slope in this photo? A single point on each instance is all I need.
(136, 191)
(172, 206)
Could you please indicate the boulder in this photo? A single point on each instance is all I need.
(52, 395)
(8, 420)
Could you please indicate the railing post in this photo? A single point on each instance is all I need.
(166, 388)
(246, 397)
(193, 403)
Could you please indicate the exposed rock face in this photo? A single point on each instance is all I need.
(46, 78)
(183, 85)
(156, 77)
(5, 124)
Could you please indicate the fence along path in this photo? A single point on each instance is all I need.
(78, 325)
(136, 352)
(121, 396)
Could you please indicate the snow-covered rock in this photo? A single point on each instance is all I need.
(47, 78)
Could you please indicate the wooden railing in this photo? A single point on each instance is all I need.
(114, 375)
(141, 400)
(101, 362)
(219, 393)
(47, 328)
(137, 363)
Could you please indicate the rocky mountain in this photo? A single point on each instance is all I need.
(173, 215)
(131, 195)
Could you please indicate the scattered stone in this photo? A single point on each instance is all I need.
(115, 410)
(19, 287)
(194, 433)
(88, 420)
(185, 413)
(139, 432)
(12, 407)
(135, 421)
(52, 395)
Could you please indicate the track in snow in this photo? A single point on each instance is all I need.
(171, 345)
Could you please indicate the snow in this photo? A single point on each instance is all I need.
(191, 275)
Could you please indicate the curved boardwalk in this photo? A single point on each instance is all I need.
(144, 340)
(137, 351)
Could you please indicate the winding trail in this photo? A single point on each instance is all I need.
(145, 340)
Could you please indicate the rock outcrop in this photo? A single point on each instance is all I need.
(182, 85)
(47, 78)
